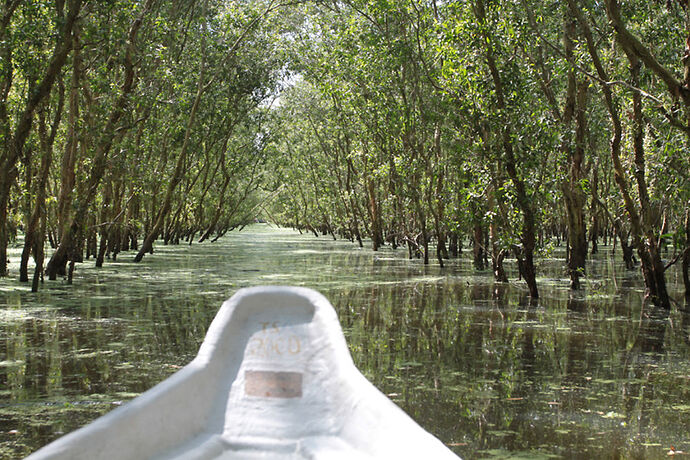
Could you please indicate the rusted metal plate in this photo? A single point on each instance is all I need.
(268, 384)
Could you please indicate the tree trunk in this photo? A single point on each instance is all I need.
(453, 245)
(28, 236)
(575, 198)
(5, 177)
(528, 236)
(641, 218)
(497, 257)
(69, 157)
(440, 209)
(647, 243)
(497, 254)
(104, 216)
(39, 252)
(7, 76)
(375, 218)
(15, 144)
(147, 244)
(628, 253)
(71, 240)
(35, 230)
(686, 256)
(353, 197)
(478, 245)
(421, 216)
(594, 210)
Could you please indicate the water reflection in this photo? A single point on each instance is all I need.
(585, 375)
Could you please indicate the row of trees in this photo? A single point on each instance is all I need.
(413, 122)
(509, 122)
(122, 122)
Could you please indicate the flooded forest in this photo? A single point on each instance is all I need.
(495, 196)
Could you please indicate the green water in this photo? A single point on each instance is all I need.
(491, 375)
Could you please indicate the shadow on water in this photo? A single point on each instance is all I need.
(576, 375)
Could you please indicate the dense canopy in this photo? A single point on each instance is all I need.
(508, 126)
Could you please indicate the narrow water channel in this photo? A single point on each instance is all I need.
(586, 375)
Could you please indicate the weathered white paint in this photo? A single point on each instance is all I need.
(273, 380)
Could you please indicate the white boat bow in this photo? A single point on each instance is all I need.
(273, 380)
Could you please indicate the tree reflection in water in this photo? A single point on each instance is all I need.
(575, 375)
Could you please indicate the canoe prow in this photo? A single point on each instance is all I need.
(274, 380)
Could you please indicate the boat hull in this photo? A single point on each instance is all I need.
(273, 379)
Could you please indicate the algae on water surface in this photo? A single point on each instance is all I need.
(490, 373)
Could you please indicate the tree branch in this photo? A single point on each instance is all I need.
(634, 46)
